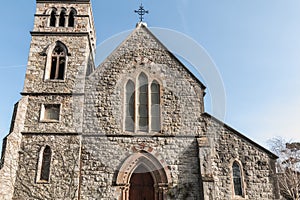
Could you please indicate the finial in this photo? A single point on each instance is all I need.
(141, 12)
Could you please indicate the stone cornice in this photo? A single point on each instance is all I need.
(74, 34)
(46, 15)
(41, 33)
(109, 136)
(63, 1)
(137, 135)
(50, 94)
(52, 133)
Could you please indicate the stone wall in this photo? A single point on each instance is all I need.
(84, 22)
(181, 108)
(70, 117)
(80, 41)
(224, 146)
(181, 93)
(11, 154)
(64, 170)
(102, 158)
(77, 61)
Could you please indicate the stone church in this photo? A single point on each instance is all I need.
(133, 128)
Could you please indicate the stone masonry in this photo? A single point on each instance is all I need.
(93, 157)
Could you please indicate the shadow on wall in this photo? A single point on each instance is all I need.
(3, 152)
(189, 184)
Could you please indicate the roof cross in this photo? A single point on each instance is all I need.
(141, 12)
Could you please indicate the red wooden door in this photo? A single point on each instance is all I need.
(141, 185)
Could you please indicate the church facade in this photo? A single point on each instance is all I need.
(133, 128)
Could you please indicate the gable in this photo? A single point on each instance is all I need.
(142, 53)
(139, 41)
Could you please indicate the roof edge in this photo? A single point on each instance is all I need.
(271, 154)
(63, 1)
(144, 25)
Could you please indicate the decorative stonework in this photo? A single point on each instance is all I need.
(154, 163)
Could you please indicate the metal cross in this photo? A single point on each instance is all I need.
(141, 12)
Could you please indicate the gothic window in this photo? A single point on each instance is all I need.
(50, 112)
(71, 20)
(142, 105)
(62, 18)
(155, 106)
(44, 164)
(130, 101)
(58, 63)
(53, 18)
(237, 179)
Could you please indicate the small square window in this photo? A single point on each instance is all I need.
(50, 112)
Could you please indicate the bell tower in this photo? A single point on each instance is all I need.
(61, 57)
(62, 46)
(44, 143)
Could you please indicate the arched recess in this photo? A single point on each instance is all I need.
(62, 18)
(143, 103)
(71, 17)
(44, 165)
(238, 182)
(154, 165)
(129, 106)
(52, 17)
(63, 54)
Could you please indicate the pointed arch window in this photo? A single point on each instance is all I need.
(155, 106)
(44, 165)
(53, 18)
(58, 62)
(237, 179)
(130, 101)
(143, 120)
(142, 105)
(71, 19)
(62, 18)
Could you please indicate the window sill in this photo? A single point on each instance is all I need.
(239, 197)
(55, 81)
(151, 133)
(42, 182)
(49, 121)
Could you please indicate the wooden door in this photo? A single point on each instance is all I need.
(141, 185)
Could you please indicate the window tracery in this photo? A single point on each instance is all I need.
(57, 62)
(142, 105)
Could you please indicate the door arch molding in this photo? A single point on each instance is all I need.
(157, 168)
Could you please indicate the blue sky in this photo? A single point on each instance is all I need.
(255, 45)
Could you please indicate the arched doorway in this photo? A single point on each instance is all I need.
(141, 185)
(143, 172)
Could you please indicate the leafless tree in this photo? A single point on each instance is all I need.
(288, 167)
